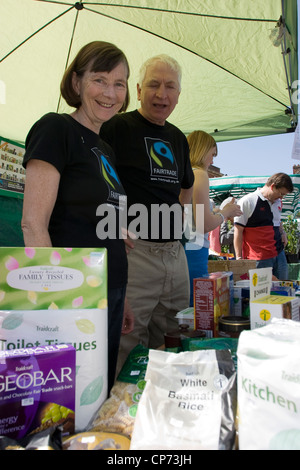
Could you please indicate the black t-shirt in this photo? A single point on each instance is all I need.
(153, 164)
(88, 180)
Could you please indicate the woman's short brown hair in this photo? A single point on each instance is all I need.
(97, 56)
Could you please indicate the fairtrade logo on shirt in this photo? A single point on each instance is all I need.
(163, 165)
(115, 188)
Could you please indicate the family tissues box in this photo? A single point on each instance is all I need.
(52, 296)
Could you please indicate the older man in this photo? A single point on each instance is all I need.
(258, 233)
(152, 159)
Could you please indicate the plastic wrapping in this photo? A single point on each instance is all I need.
(269, 387)
(189, 402)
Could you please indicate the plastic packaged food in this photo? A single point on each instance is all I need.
(97, 441)
(189, 402)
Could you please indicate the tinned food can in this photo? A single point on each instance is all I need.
(232, 326)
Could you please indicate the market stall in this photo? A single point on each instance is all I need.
(53, 302)
(54, 387)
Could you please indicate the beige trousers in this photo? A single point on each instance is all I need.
(158, 288)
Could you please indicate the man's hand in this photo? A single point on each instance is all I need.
(128, 238)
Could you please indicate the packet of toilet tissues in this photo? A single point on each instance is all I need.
(52, 296)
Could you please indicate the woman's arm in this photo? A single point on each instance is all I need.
(201, 206)
(201, 198)
(41, 187)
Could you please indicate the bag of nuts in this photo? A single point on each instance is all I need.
(117, 414)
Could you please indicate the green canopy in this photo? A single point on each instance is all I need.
(238, 186)
(239, 62)
(239, 58)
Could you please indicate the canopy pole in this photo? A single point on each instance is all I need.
(287, 56)
(78, 6)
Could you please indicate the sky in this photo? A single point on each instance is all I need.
(261, 156)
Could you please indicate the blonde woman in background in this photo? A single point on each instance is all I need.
(203, 149)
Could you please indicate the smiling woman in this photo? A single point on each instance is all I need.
(95, 57)
(102, 95)
(66, 179)
(96, 85)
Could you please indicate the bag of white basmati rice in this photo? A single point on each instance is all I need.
(189, 402)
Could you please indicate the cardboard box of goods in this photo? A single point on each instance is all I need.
(263, 305)
(211, 301)
(241, 297)
(265, 308)
(37, 389)
(282, 290)
(294, 285)
(52, 278)
(240, 268)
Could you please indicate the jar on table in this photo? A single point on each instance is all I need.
(232, 326)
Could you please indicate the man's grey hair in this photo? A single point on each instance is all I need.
(166, 59)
